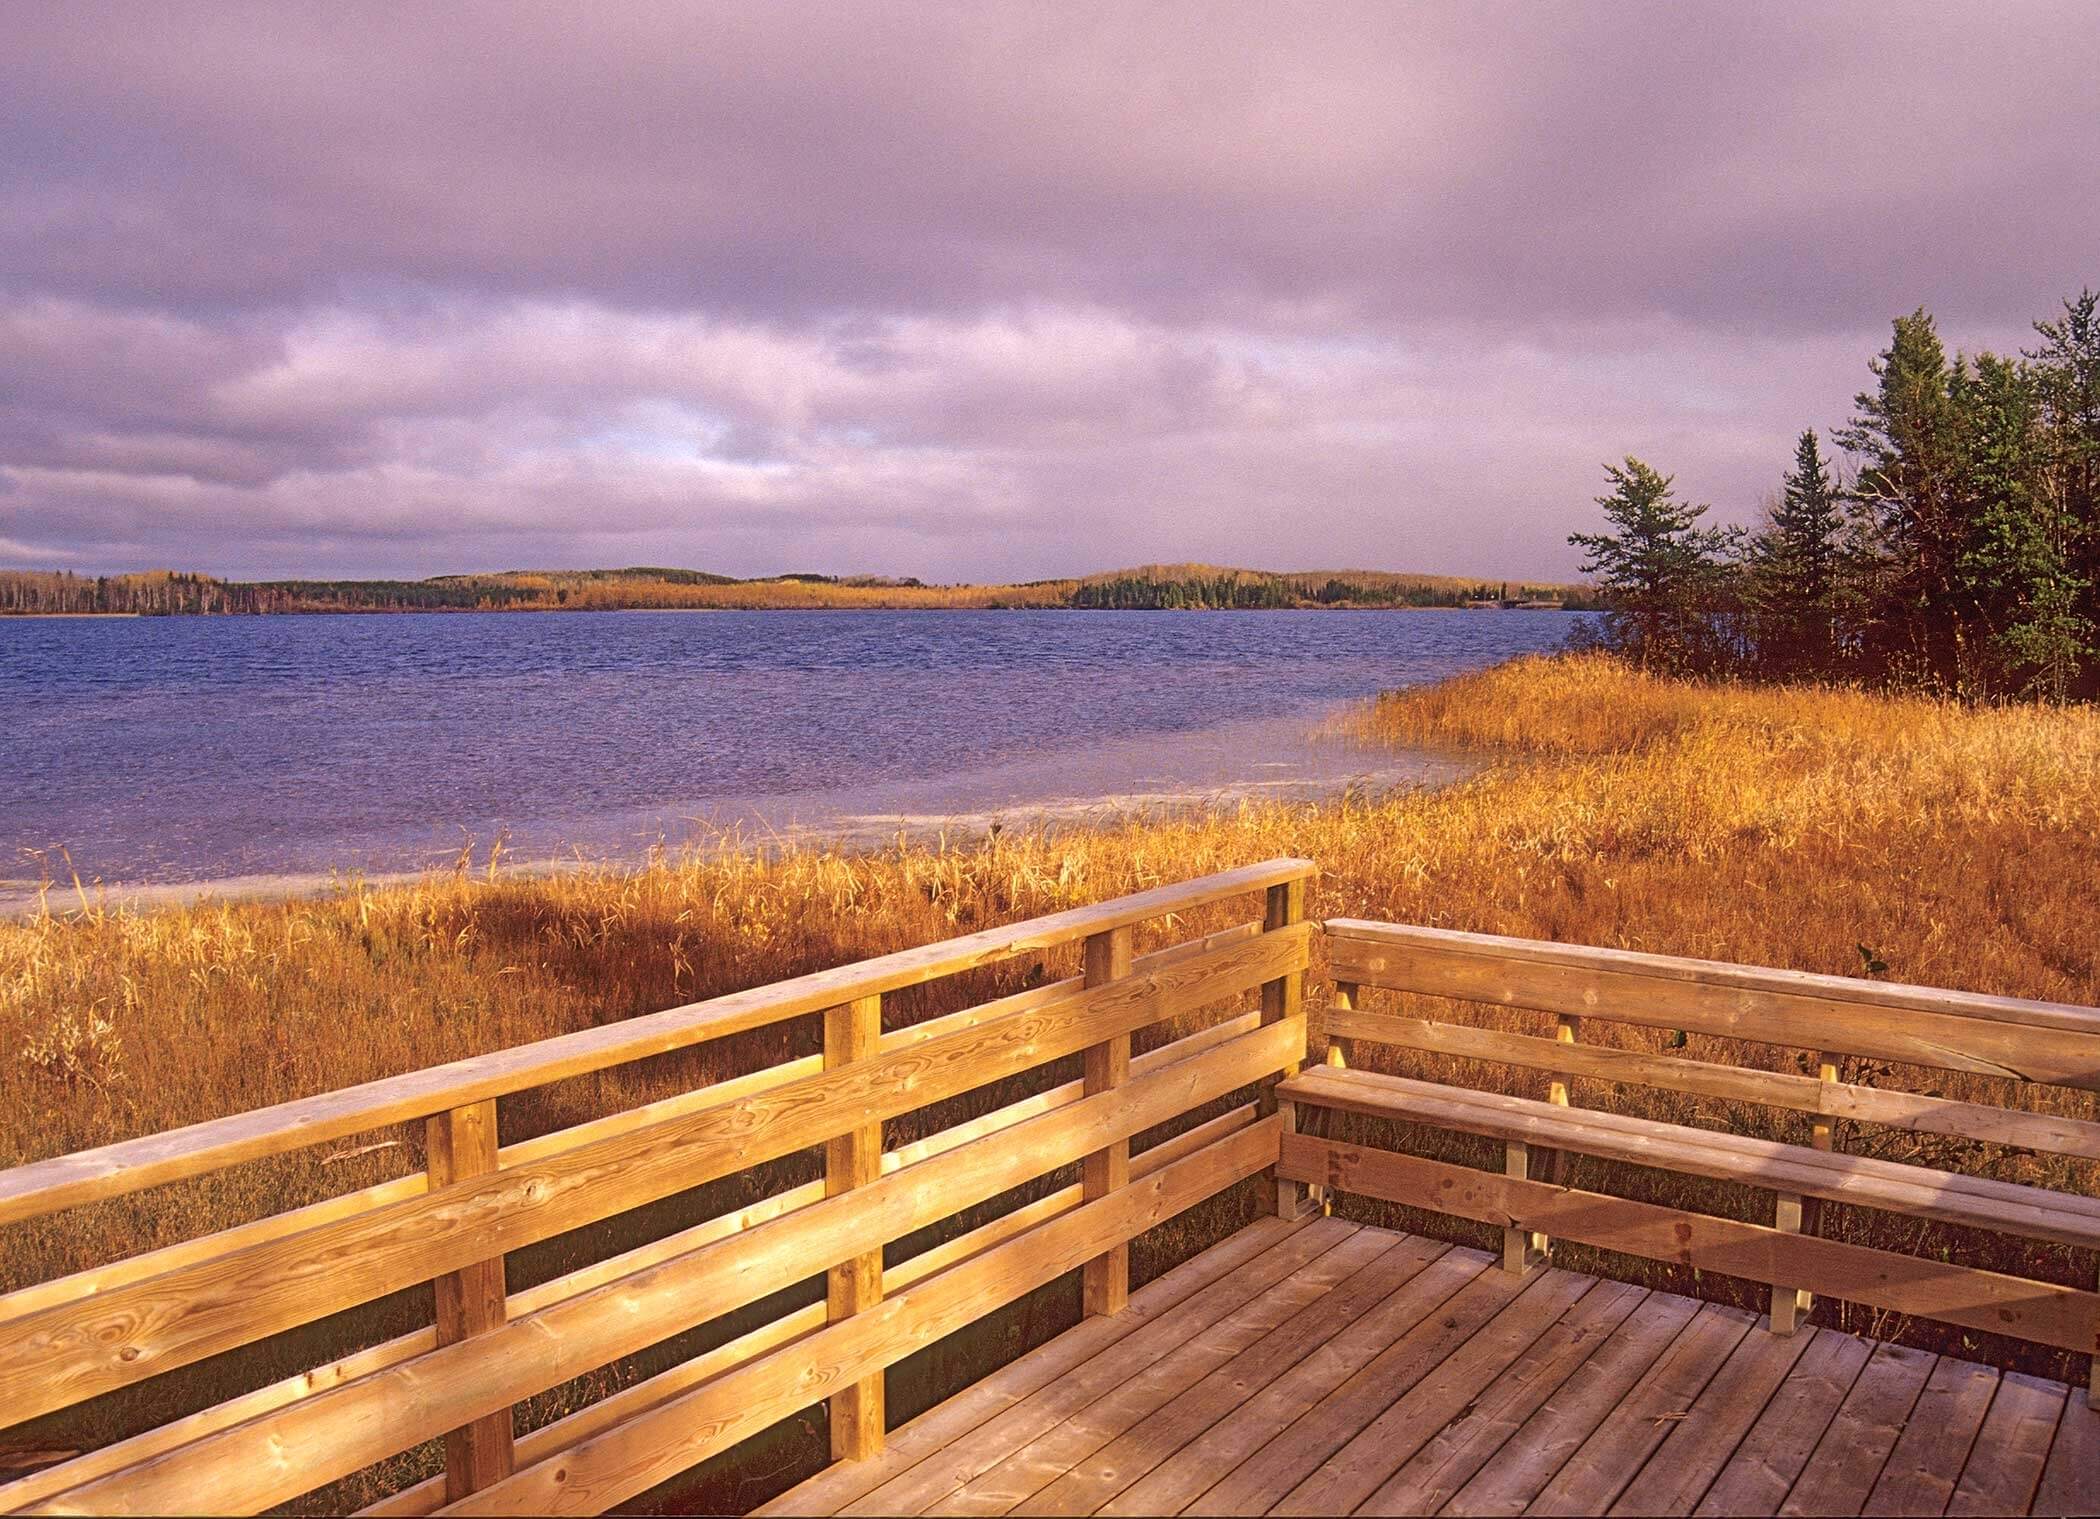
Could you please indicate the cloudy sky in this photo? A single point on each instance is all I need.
(987, 291)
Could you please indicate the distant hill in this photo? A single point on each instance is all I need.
(1149, 587)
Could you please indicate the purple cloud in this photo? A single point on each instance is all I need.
(970, 292)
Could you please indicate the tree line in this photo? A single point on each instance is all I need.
(1954, 546)
(165, 593)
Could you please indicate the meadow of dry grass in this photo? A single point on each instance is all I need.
(1789, 827)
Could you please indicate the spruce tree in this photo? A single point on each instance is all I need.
(1663, 576)
(1907, 435)
(2018, 613)
(2066, 369)
(1796, 569)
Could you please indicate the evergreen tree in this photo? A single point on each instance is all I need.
(1663, 575)
(1796, 569)
(1907, 435)
(2019, 620)
(2066, 370)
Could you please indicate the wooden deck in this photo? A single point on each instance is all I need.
(1322, 1367)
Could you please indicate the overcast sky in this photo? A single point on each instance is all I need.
(982, 292)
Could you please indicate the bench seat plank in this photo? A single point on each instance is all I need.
(1944, 1196)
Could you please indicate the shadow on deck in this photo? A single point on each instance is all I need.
(1324, 1367)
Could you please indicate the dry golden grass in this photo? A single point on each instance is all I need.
(1781, 827)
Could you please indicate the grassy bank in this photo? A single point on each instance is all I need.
(1780, 827)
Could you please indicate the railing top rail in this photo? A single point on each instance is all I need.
(134, 1164)
(1880, 995)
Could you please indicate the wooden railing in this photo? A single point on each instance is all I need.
(1571, 987)
(108, 1328)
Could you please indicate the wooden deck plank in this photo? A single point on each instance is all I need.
(843, 1483)
(1013, 1429)
(1600, 1468)
(1695, 1448)
(1528, 1459)
(1024, 1475)
(1264, 1478)
(1465, 1444)
(1243, 1431)
(1355, 1471)
(1847, 1461)
(2005, 1466)
(2071, 1479)
(1764, 1467)
(1927, 1462)
(1349, 1326)
(1319, 1367)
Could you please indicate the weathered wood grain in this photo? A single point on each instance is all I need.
(63, 1355)
(1764, 1467)
(1913, 1111)
(2005, 1464)
(462, 1144)
(1434, 1474)
(1283, 908)
(2043, 1312)
(1528, 1459)
(132, 1165)
(852, 1034)
(1105, 1282)
(1350, 1475)
(1921, 1471)
(337, 1431)
(1192, 1286)
(1847, 1461)
(1919, 1191)
(1083, 1383)
(635, 1456)
(1076, 1466)
(152, 1442)
(1993, 1036)
(1695, 1448)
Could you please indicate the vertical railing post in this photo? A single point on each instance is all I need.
(459, 1145)
(1339, 1051)
(1553, 1165)
(1521, 1248)
(1105, 1280)
(1567, 1028)
(1793, 1214)
(1281, 999)
(853, 1032)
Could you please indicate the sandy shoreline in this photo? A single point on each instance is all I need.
(853, 834)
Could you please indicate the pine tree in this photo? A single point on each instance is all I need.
(2067, 376)
(1796, 569)
(1906, 432)
(1662, 574)
(2018, 609)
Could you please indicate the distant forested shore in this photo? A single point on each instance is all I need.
(160, 593)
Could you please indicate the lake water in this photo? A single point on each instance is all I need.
(180, 750)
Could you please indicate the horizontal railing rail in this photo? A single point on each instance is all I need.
(108, 1328)
(135, 1164)
(1219, 1077)
(2033, 1044)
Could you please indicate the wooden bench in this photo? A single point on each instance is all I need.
(2003, 1040)
(1897, 1187)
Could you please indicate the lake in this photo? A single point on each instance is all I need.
(195, 749)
